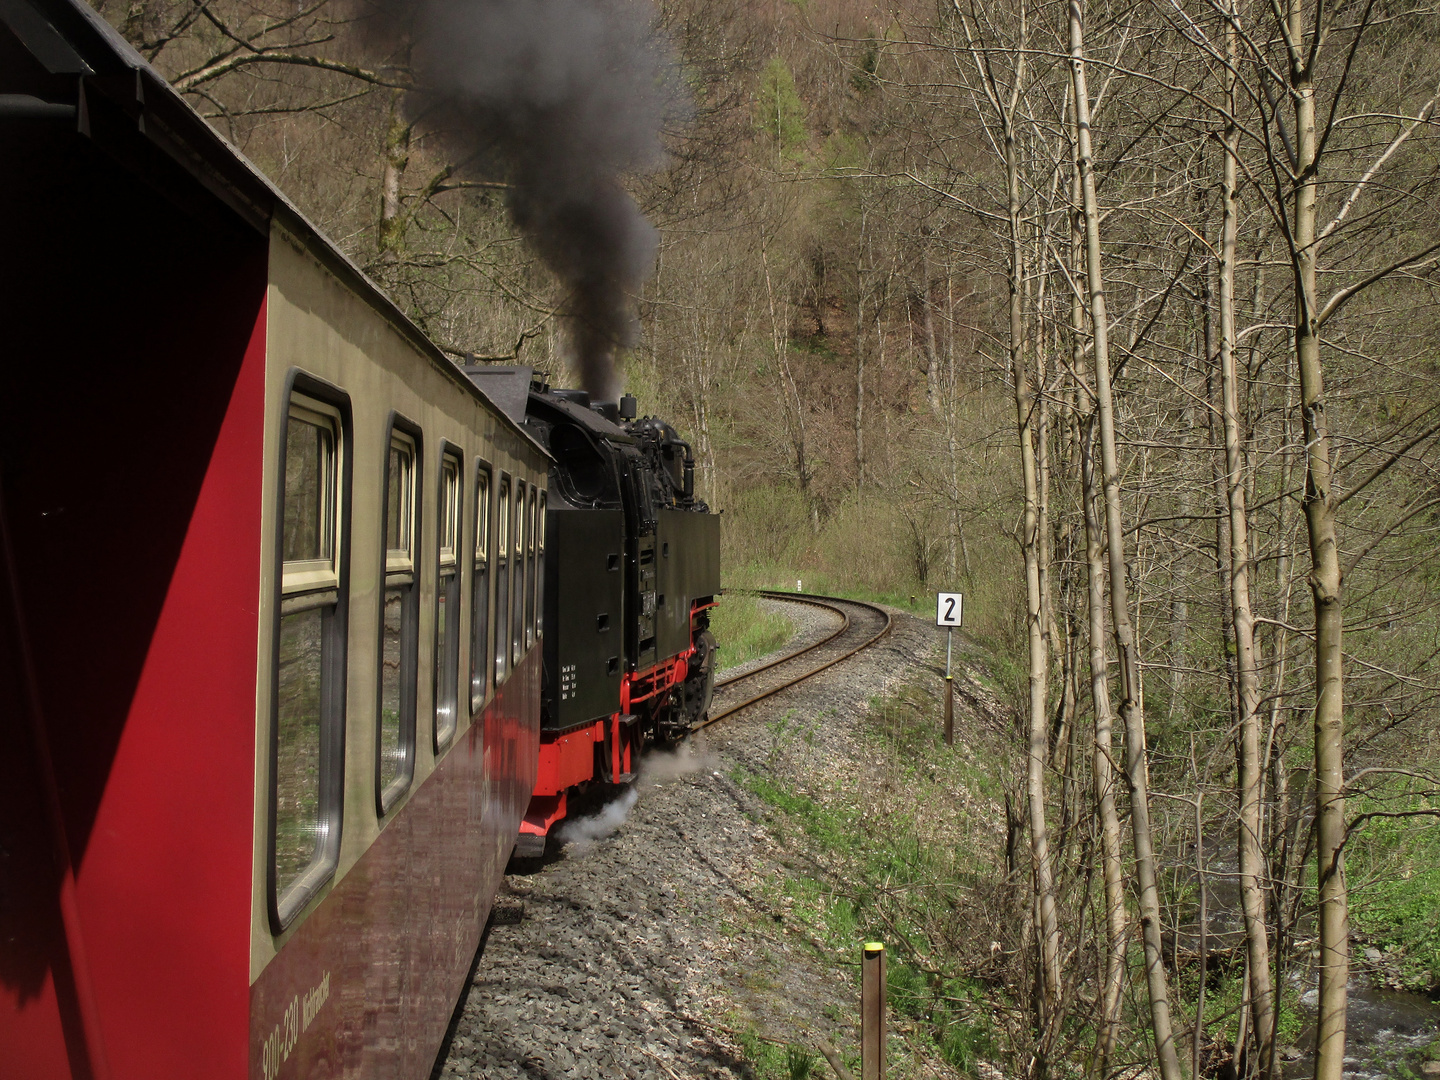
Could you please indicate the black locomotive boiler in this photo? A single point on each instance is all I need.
(631, 571)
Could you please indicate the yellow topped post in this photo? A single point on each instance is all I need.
(872, 1011)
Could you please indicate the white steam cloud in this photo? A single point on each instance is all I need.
(586, 832)
(662, 765)
(658, 767)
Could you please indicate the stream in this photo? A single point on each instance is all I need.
(1388, 1032)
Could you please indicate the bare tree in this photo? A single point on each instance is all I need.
(1126, 645)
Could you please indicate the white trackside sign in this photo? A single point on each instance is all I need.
(947, 608)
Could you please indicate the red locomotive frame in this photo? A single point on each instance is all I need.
(569, 758)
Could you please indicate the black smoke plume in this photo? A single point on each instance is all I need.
(561, 99)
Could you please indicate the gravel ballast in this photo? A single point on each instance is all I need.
(643, 947)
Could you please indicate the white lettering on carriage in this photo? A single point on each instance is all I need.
(298, 1016)
(315, 998)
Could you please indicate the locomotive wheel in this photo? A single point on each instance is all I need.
(700, 687)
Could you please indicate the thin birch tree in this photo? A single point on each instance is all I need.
(1126, 644)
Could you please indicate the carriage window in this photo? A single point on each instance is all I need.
(309, 499)
(480, 592)
(540, 569)
(502, 580)
(530, 570)
(447, 603)
(395, 752)
(517, 620)
(308, 533)
(309, 694)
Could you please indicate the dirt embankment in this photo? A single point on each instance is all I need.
(665, 949)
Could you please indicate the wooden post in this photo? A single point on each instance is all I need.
(949, 710)
(872, 1011)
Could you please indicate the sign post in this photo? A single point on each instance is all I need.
(949, 607)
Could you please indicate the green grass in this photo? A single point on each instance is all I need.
(877, 544)
(772, 1061)
(1394, 877)
(893, 876)
(832, 830)
(744, 630)
(987, 605)
(783, 579)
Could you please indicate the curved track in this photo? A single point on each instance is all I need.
(861, 626)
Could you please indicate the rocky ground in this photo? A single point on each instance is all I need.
(650, 943)
(662, 939)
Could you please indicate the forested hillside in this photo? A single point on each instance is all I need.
(1124, 320)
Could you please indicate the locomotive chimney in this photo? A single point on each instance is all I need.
(628, 407)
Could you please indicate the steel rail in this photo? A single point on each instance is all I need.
(819, 601)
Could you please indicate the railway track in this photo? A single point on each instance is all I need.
(861, 625)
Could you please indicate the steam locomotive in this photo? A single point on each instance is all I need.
(633, 572)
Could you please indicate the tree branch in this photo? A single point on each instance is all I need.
(233, 63)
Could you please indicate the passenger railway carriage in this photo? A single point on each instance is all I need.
(272, 564)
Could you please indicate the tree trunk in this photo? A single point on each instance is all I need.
(1103, 771)
(391, 233)
(1103, 768)
(1197, 1042)
(927, 337)
(1047, 926)
(1282, 858)
(859, 408)
(861, 345)
(1251, 767)
(794, 410)
(1127, 650)
(1325, 584)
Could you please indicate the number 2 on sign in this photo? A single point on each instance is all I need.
(949, 607)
